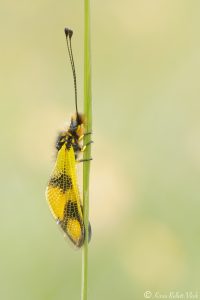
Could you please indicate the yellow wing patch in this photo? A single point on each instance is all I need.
(63, 196)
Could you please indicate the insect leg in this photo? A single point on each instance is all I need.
(83, 160)
(84, 147)
(82, 136)
(87, 133)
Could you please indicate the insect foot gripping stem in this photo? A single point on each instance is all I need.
(84, 147)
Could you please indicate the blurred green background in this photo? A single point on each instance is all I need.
(145, 191)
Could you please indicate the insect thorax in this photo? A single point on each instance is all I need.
(72, 137)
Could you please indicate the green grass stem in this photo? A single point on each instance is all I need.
(87, 153)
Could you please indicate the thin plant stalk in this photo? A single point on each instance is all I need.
(87, 152)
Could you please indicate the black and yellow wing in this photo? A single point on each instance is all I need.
(63, 196)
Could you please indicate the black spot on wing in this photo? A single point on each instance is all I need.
(63, 182)
(71, 212)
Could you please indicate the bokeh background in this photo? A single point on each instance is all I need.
(145, 190)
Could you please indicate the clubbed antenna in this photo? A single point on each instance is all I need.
(68, 34)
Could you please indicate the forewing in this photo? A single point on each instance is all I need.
(63, 196)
